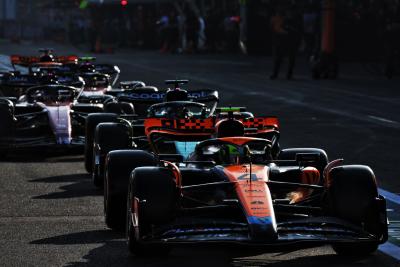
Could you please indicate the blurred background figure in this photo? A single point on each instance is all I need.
(192, 30)
(310, 27)
(365, 32)
(201, 43)
(287, 35)
(163, 27)
(392, 41)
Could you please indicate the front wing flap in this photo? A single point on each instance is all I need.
(314, 231)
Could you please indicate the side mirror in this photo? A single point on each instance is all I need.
(307, 158)
(171, 157)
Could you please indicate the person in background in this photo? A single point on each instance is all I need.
(287, 30)
(392, 40)
(310, 17)
(201, 43)
(279, 36)
(163, 24)
(192, 31)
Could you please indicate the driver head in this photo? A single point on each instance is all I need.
(229, 128)
(87, 68)
(176, 95)
(47, 58)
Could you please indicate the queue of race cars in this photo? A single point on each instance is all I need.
(178, 169)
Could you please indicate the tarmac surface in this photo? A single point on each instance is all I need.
(51, 214)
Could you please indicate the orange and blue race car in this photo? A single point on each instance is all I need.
(132, 103)
(46, 58)
(210, 183)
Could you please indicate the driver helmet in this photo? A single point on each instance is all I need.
(176, 95)
(48, 79)
(229, 128)
(228, 154)
(87, 68)
(47, 58)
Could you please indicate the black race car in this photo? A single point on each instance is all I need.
(45, 115)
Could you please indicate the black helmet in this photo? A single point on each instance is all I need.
(47, 58)
(176, 95)
(229, 128)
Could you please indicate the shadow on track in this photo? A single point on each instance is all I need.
(32, 155)
(81, 186)
(112, 251)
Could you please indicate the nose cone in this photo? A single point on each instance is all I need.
(262, 229)
(60, 123)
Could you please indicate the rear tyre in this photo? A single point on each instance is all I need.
(352, 196)
(120, 108)
(151, 201)
(108, 136)
(6, 126)
(118, 167)
(91, 122)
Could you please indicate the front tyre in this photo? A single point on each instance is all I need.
(109, 136)
(353, 196)
(151, 201)
(118, 168)
(92, 121)
(6, 126)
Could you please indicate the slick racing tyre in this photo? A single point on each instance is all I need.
(118, 168)
(151, 201)
(92, 121)
(6, 126)
(352, 197)
(290, 154)
(123, 108)
(108, 136)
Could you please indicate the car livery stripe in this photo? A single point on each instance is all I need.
(391, 250)
(60, 122)
(390, 196)
(255, 197)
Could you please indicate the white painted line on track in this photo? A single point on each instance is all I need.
(390, 196)
(382, 119)
(391, 250)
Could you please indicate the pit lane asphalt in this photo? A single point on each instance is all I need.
(51, 215)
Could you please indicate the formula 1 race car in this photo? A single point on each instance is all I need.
(87, 65)
(46, 58)
(130, 107)
(45, 115)
(231, 189)
(71, 64)
(95, 88)
(15, 83)
(165, 136)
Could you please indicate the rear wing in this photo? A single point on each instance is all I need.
(261, 123)
(253, 126)
(142, 99)
(176, 126)
(18, 80)
(15, 84)
(28, 60)
(139, 95)
(15, 79)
